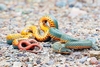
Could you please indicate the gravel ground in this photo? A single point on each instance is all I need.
(75, 18)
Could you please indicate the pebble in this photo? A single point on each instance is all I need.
(31, 59)
(30, 65)
(78, 5)
(38, 61)
(3, 7)
(50, 62)
(43, 65)
(93, 60)
(61, 3)
(95, 54)
(98, 65)
(71, 2)
(82, 60)
(66, 65)
(69, 59)
(46, 45)
(20, 55)
(76, 12)
(77, 53)
(17, 64)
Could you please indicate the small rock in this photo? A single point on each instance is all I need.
(66, 65)
(93, 60)
(43, 65)
(50, 62)
(71, 5)
(86, 54)
(17, 64)
(31, 59)
(88, 59)
(30, 65)
(61, 3)
(25, 59)
(46, 45)
(27, 11)
(71, 2)
(95, 54)
(4, 64)
(38, 61)
(7, 55)
(20, 55)
(78, 5)
(3, 7)
(69, 59)
(77, 53)
(98, 65)
(82, 60)
(76, 12)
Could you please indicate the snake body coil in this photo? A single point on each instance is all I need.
(80, 44)
(43, 26)
(11, 37)
(55, 34)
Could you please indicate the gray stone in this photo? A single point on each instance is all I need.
(61, 3)
(3, 7)
(77, 53)
(82, 60)
(50, 62)
(20, 55)
(38, 61)
(46, 45)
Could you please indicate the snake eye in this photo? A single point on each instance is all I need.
(23, 44)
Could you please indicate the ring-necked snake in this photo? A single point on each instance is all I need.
(51, 31)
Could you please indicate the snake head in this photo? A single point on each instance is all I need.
(60, 48)
(95, 47)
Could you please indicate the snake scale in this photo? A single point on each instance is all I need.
(51, 31)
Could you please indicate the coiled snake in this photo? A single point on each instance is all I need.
(51, 31)
(33, 31)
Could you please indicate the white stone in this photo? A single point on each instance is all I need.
(17, 64)
(76, 12)
(30, 65)
(4, 63)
